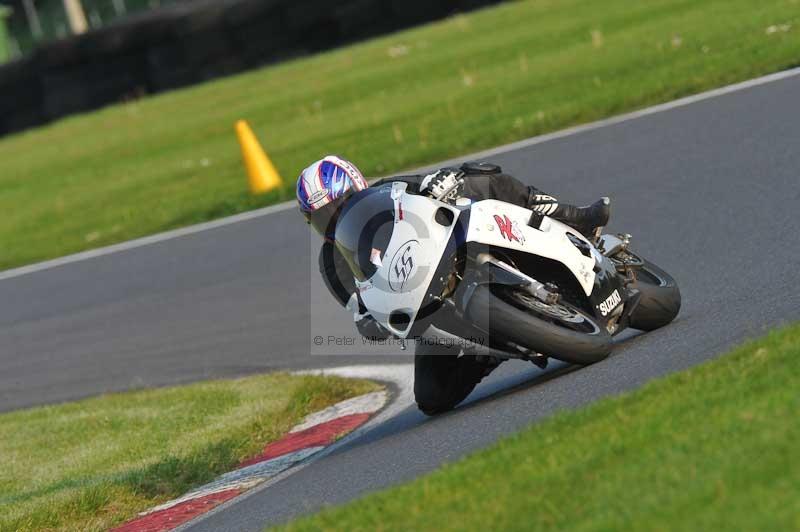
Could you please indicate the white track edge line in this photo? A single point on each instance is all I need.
(280, 207)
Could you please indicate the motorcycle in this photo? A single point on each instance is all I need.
(510, 281)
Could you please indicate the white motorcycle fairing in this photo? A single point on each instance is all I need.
(406, 267)
(505, 225)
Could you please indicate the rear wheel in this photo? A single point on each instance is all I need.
(558, 330)
(661, 298)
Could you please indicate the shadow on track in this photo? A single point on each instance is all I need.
(411, 418)
(516, 378)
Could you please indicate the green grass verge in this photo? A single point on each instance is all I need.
(93, 463)
(711, 448)
(448, 88)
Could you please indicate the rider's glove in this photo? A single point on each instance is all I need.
(443, 185)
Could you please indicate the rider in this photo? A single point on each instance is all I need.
(440, 382)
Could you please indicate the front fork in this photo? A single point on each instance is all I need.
(615, 247)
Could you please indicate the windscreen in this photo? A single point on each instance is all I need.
(364, 230)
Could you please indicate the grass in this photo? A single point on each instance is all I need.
(711, 448)
(444, 89)
(94, 463)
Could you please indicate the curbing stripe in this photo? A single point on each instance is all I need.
(401, 376)
(256, 472)
(243, 478)
(312, 435)
(363, 404)
(177, 515)
(320, 435)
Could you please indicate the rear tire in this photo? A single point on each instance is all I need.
(660, 301)
(442, 378)
(491, 312)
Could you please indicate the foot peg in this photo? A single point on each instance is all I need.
(596, 235)
(540, 360)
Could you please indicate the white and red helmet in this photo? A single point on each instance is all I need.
(322, 189)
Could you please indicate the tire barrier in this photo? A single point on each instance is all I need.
(189, 43)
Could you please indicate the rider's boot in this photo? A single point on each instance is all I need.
(585, 219)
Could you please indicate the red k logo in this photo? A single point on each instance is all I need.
(509, 229)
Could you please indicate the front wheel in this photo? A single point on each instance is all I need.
(559, 330)
(661, 298)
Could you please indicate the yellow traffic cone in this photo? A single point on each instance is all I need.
(261, 172)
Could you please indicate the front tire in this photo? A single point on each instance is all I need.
(577, 340)
(660, 301)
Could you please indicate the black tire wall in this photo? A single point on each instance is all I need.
(189, 43)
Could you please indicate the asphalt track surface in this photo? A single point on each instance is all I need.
(709, 190)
